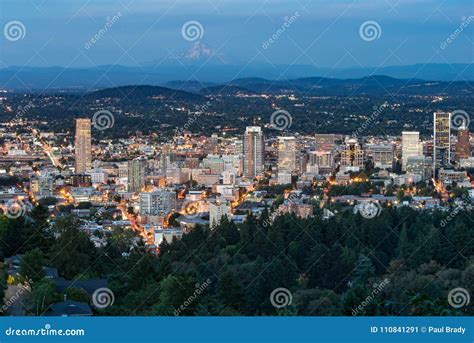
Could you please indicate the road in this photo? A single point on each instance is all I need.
(136, 227)
(47, 149)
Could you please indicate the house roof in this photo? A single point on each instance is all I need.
(69, 308)
(89, 286)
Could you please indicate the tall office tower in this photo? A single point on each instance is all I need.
(411, 146)
(324, 141)
(254, 150)
(323, 160)
(463, 146)
(381, 154)
(83, 145)
(286, 154)
(136, 174)
(441, 139)
(166, 158)
(352, 156)
(237, 147)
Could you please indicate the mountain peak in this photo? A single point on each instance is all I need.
(199, 50)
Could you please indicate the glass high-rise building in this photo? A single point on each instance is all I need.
(463, 146)
(441, 139)
(254, 150)
(411, 146)
(136, 174)
(287, 154)
(82, 145)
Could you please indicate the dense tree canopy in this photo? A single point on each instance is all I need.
(403, 262)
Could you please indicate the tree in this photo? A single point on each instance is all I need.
(31, 265)
(77, 294)
(12, 240)
(73, 252)
(178, 293)
(42, 296)
(363, 269)
(37, 232)
(230, 291)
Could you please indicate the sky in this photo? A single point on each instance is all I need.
(323, 33)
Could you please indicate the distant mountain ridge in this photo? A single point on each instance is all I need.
(213, 70)
(309, 86)
(143, 92)
(370, 85)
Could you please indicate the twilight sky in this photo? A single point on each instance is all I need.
(324, 32)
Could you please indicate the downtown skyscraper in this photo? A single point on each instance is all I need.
(463, 145)
(253, 151)
(411, 146)
(136, 174)
(286, 159)
(441, 139)
(82, 145)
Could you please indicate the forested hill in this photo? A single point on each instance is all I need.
(143, 92)
(330, 267)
